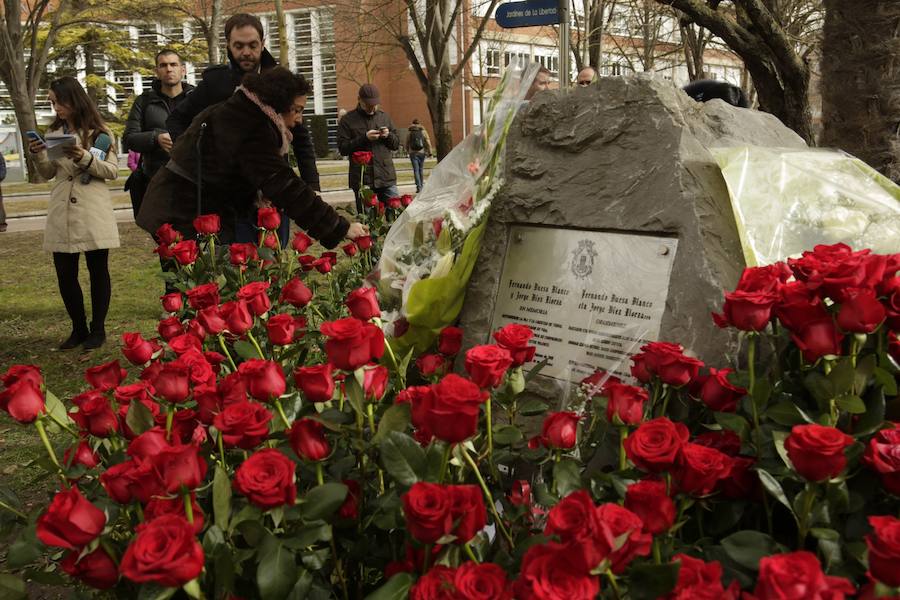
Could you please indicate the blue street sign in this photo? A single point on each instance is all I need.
(527, 14)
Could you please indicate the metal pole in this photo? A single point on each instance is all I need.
(564, 77)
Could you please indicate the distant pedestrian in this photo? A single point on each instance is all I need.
(586, 76)
(2, 177)
(541, 82)
(418, 146)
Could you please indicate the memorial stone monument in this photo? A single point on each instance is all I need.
(613, 227)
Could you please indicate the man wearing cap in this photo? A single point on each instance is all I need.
(369, 129)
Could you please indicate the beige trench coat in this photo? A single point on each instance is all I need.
(80, 216)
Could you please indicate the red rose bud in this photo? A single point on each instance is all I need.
(280, 329)
(406, 199)
(172, 382)
(169, 328)
(164, 552)
(861, 312)
(256, 296)
(296, 293)
(161, 507)
(884, 550)
(270, 241)
(23, 401)
(487, 365)
(426, 508)
(375, 380)
(668, 362)
(81, 454)
(514, 338)
(307, 439)
(363, 242)
(894, 346)
(361, 157)
(322, 265)
(394, 202)
(186, 252)
(547, 572)
(450, 341)
(560, 430)
(655, 446)
(350, 508)
(718, 393)
(203, 296)
(148, 444)
(747, 311)
(268, 218)
(450, 412)
(267, 479)
(211, 321)
(626, 403)
(724, 440)
(639, 369)
(164, 251)
(883, 456)
(700, 468)
(70, 521)
(207, 224)
(264, 378)
(19, 372)
(95, 569)
(574, 521)
(798, 573)
(764, 279)
(241, 254)
(243, 425)
(521, 493)
(167, 235)
(372, 201)
(179, 466)
(95, 414)
(237, 317)
(352, 343)
(468, 512)
(619, 521)
(301, 242)
(316, 382)
(363, 303)
(648, 500)
(171, 302)
(350, 249)
(185, 343)
(698, 579)
(432, 365)
(817, 339)
(816, 451)
(306, 261)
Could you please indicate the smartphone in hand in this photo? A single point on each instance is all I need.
(34, 136)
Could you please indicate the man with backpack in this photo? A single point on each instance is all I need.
(418, 146)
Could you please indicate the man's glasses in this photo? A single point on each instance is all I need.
(584, 83)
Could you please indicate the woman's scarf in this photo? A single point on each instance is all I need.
(286, 136)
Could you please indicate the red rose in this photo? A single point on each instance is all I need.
(70, 521)
(375, 380)
(656, 445)
(352, 343)
(394, 202)
(186, 342)
(81, 454)
(361, 157)
(626, 403)
(322, 265)
(560, 430)
(264, 378)
(436, 584)
(743, 481)
(164, 251)
(106, 376)
(451, 410)
(237, 317)
(243, 425)
(861, 312)
(19, 372)
(164, 552)
(267, 479)
(172, 382)
(268, 218)
(256, 296)
(514, 337)
(485, 581)
(350, 508)
(698, 580)
(450, 341)
(281, 328)
(797, 575)
(487, 364)
(427, 510)
(95, 415)
(894, 346)
(203, 296)
(241, 254)
(132, 480)
(301, 242)
(96, 569)
(308, 441)
(363, 304)
(199, 368)
(166, 234)
(23, 401)
(184, 424)
(669, 363)
(467, 511)
(136, 349)
(296, 293)
(232, 388)
(363, 242)
(148, 444)
(799, 305)
(179, 466)
(648, 500)
(431, 365)
(817, 339)
(574, 521)
(883, 456)
(816, 451)
(639, 369)
(169, 328)
(160, 507)
(171, 302)
(207, 224)
(185, 252)
(621, 521)
(884, 550)
(725, 441)
(350, 249)
(700, 468)
(718, 393)
(548, 574)
(746, 310)
(316, 382)
(764, 279)
(598, 383)
(520, 495)
(211, 320)
(406, 199)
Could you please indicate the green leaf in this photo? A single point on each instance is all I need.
(648, 581)
(12, 587)
(841, 376)
(747, 548)
(819, 386)
(139, 418)
(778, 438)
(762, 391)
(303, 585)
(566, 476)
(245, 350)
(322, 501)
(192, 589)
(307, 536)
(395, 418)
(851, 403)
(155, 592)
(535, 370)
(277, 571)
(397, 588)
(55, 408)
(786, 413)
(507, 435)
(774, 488)
(532, 407)
(221, 498)
(402, 457)
(872, 420)
(885, 380)
(25, 550)
(733, 422)
(355, 394)
(825, 534)
(516, 382)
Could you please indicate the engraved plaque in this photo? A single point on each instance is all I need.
(591, 297)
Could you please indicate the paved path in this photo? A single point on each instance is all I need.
(123, 215)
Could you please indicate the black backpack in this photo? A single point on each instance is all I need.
(416, 140)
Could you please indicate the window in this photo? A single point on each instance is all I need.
(492, 62)
(551, 63)
(613, 69)
(510, 57)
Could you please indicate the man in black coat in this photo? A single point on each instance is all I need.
(145, 129)
(369, 129)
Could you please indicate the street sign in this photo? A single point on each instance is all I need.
(527, 14)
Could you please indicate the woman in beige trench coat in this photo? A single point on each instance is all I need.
(80, 215)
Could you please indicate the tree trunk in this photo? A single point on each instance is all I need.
(23, 105)
(212, 33)
(284, 56)
(861, 81)
(439, 100)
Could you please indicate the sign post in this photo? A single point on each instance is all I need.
(529, 13)
(564, 44)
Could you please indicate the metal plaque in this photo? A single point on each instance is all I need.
(591, 297)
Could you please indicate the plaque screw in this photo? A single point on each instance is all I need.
(663, 250)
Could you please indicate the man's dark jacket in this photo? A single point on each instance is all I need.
(241, 154)
(352, 138)
(218, 84)
(146, 121)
